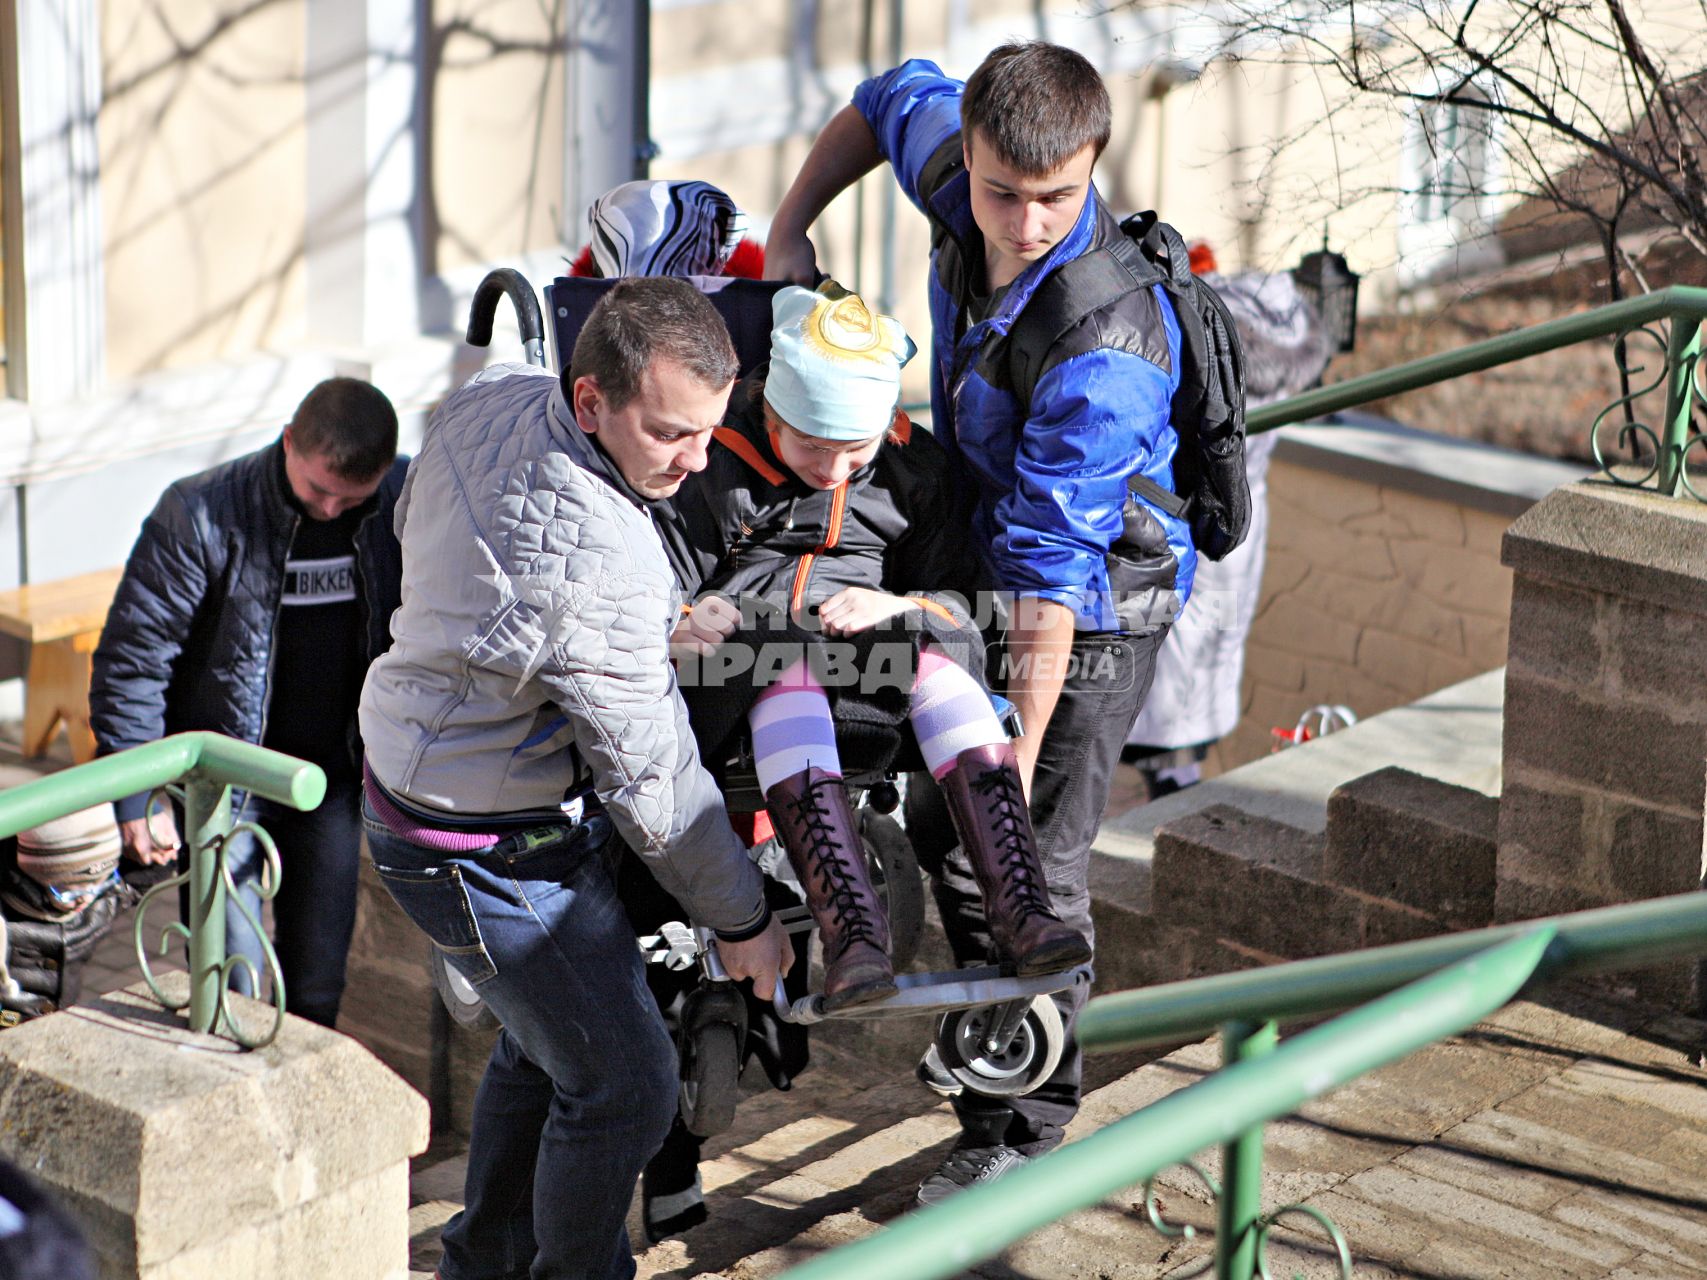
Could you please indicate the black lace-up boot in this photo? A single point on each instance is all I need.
(988, 806)
(817, 826)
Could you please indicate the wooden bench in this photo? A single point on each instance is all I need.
(62, 622)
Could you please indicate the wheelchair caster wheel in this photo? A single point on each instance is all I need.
(896, 876)
(466, 1007)
(711, 1079)
(1028, 1059)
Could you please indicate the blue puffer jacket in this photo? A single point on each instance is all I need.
(188, 643)
(1052, 481)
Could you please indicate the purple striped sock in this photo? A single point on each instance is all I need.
(950, 713)
(792, 729)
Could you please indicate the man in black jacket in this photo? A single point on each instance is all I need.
(255, 598)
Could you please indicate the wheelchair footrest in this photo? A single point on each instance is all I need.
(930, 993)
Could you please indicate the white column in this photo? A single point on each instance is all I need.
(56, 57)
(606, 60)
(363, 259)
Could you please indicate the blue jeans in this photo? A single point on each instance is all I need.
(581, 1086)
(314, 912)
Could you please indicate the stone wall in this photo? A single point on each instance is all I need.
(1606, 721)
(1384, 581)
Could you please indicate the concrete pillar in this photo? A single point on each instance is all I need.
(1605, 748)
(56, 306)
(183, 1157)
(363, 252)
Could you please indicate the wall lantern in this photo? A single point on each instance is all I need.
(1331, 285)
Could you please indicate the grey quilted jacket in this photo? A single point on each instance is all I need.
(530, 656)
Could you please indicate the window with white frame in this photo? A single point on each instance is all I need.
(1450, 166)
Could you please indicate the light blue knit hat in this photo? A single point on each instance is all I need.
(835, 368)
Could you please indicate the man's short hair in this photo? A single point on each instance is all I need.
(349, 425)
(1037, 104)
(647, 318)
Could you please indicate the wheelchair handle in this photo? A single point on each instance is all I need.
(499, 282)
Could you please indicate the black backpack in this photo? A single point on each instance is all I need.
(1211, 492)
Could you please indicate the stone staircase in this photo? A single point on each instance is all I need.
(1564, 1138)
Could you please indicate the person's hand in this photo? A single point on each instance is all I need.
(764, 958)
(707, 625)
(789, 255)
(152, 841)
(858, 608)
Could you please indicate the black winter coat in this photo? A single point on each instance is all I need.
(744, 526)
(188, 643)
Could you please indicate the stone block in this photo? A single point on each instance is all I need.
(1541, 836)
(1294, 626)
(1632, 544)
(1386, 923)
(184, 1156)
(1418, 841)
(1464, 579)
(1648, 646)
(1250, 881)
(1652, 754)
(1653, 852)
(1407, 664)
(1555, 633)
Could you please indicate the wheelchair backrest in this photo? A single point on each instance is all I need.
(745, 306)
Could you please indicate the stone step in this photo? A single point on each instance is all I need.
(1416, 840)
(1260, 886)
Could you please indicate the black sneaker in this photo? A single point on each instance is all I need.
(935, 1075)
(969, 1167)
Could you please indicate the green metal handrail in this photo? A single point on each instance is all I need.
(1683, 307)
(203, 768)
(1416, 993)
(1627, 936)
(946, 1239)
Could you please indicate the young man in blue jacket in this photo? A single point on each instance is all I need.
(1002, 168)
(252, 603)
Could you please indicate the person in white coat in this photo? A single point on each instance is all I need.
(1195, 699)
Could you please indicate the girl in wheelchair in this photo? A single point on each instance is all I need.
(824, 538)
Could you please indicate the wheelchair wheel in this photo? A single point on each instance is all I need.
(711, 1079)
(1030, 1058)
(466, 1007)
(895, 873)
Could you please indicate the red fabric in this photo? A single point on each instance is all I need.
(1202, 258)
(748, 261)
(752, 828)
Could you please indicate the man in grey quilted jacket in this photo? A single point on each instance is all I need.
(525, 716)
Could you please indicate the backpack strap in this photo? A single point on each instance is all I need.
(1070, 294)
(946, 164)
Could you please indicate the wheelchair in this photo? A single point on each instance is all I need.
(997, 1034)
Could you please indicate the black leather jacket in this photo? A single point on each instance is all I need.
(188, 644)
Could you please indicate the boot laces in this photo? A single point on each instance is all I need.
(1005, 802)
(829, 856)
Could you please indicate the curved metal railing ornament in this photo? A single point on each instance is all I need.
(1631, 430)
(199, 771)
(204, 948)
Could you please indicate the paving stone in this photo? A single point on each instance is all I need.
(1253, 880)
(1669, 1230)
(1487, 1227)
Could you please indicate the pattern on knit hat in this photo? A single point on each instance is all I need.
(835, 369)
(664, 229)
(75, 852)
